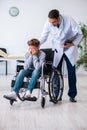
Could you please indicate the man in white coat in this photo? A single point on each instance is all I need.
(66, 35)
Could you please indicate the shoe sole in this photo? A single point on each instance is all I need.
(30, 98)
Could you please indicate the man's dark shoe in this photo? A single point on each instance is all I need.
(60, 99)
(73, 100)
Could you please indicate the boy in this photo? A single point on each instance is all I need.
(34, 59)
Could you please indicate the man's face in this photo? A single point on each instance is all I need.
(54, 21)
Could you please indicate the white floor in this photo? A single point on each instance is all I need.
(30, 115)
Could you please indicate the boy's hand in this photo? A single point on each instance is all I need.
(33, 51)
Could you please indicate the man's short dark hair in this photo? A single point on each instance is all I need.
(54, 14)
(34, 42)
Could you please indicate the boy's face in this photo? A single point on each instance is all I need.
(33, 50)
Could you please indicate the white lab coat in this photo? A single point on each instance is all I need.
(68, 30)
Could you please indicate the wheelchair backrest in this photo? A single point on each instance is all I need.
(49, 54)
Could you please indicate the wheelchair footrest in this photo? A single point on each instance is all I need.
(10, 98)
(31, 98)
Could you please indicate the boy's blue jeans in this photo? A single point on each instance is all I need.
(35, 74)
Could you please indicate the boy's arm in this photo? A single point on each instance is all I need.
(38, 61)
(28, 61)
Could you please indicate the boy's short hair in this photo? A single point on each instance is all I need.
(54, 14)
(34, 42)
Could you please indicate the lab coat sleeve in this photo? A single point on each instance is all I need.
(45, 33)
(77, 33)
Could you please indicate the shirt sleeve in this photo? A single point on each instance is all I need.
(39, 60)
(28, 61)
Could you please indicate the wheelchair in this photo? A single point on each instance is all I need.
(50, 76)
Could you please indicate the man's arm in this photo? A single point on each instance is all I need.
(45, 33)
(77, 33)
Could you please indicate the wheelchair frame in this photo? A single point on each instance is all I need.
(47, 74)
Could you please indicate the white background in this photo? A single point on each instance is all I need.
(16, 31)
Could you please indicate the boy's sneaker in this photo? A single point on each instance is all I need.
(11, 96)
(28, 94)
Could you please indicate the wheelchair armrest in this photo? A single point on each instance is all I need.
(42, 69)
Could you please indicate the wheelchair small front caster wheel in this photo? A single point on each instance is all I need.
(11, 102)
(43, 102)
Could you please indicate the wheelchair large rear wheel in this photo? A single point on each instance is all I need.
(55, 86)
